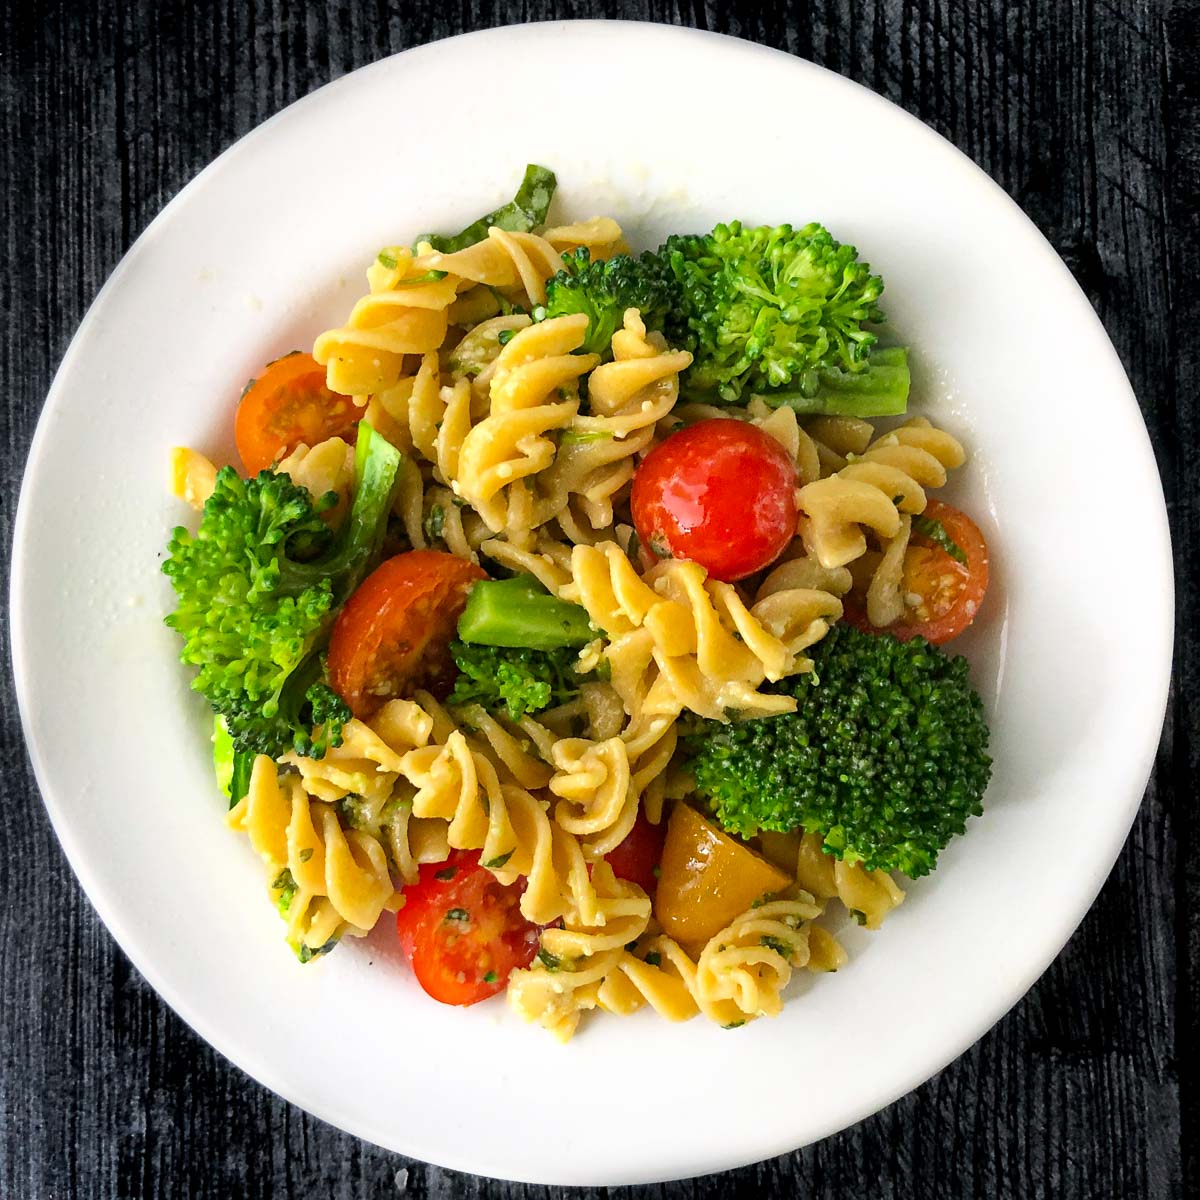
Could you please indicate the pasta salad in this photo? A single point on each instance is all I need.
(573, 611)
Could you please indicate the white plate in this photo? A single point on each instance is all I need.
(667, 130)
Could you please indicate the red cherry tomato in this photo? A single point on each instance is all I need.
(638, 856)
(395, 632)
(721, 493)
(286, 405)
(942, 594)
(462, 931)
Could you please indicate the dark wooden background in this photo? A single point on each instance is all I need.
(1087, 113)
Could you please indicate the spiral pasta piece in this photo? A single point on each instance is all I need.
(868, 895)
(874, 490)
(193, 477)
(627, 398)
(325, 467)
(690, 642)
(574, 961)
(598, 802)
(366, 355)
(600, 236)
(327, 881)
(533, 372)
(516, 263)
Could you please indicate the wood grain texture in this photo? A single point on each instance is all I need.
(1088, 113)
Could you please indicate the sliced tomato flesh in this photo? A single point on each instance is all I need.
(394, 634)
(945, 578)
(462, 930)
(289, 403)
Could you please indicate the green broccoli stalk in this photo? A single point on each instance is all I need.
(885, 757)
(764, 309)
(514, 681)
(258, 586)
(879, 389)
(520, 613)
(604, 290)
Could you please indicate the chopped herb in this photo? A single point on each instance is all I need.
(494, 864)
(458, 502)
(307, 953)
(285, 885)
(457, 914)
(505, 336)
(425, 277)
(786, 949)
(435, 523)
(935, 531)
(490, 977)
(549, 961)
(653, 959)
(446, 873)
(656, 872)
(306, 854)
(631, 946)
(734, 1025)
(658, 546)
(249, 384)
(522, 213)
(386, 260)
(860, 917)
(581, 436)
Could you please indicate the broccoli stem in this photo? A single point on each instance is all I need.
(239, 781)
(519, 612)
(377, 466)
(879, 391)
(522, 213)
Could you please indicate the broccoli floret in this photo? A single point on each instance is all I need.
(603, 290)
(517, 681)
(885, 756)
(259, 584)
(766, 309)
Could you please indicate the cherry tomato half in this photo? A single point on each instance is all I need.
(942, 594)
(462, 931)
(286, 405)
(721, 493)
(395, 631)
(638, 856)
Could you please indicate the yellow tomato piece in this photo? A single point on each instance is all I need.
(707, 878)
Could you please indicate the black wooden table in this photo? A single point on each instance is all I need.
(1088, 113)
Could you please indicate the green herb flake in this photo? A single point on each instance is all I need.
(550, 961)
(306, 854)
(782, 948)
(505, 336)
(435, 523)
(935, 531)
(734, 1025)
(494, 864)
(860, 917)
(446, 873)
(579, 437)
(285, 885)
(386, 260)
(457, 914)
(491, 977)
(654, 959)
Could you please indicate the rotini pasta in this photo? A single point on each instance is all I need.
(327, 881)
(678, 572)
(690, 642)
(885, 482)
